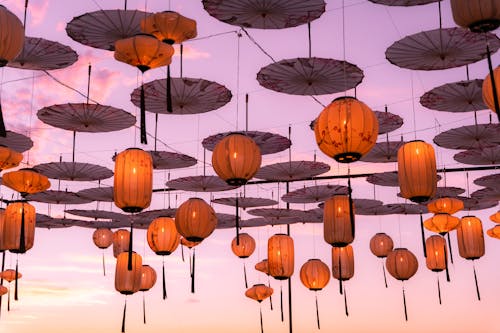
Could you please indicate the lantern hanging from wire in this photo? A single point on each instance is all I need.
(402, 265)
(315, 275)
(243, 250)
(494, 232)
(148, 280)
(495, 217)
(195, 220)
(477, 15)
(280, 256)
(491, 90)
(259, 292)
(381, 245)
(26, 181)
(19, 227)
(445, 205)
(103, 238)
(163, 239)
(192, 258)
(10, 275)
(417, 171)
(121, 241)
(263, 266)
(343, 268)
(9, 158)
(470, 239)
(338, 221)
(128, 281)
(437, 258)
(442, 223)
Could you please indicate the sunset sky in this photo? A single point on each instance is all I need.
(63, 288)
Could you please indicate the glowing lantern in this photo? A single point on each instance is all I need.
(148, 280)
(128, 281)
(259, 292)
(169, 27)
(477, 15)
(26, 181)
(437, 258)
(494, 232)
(11, 36)
(280, 256)
(163, 239)
(10, 275)
(338, 221)
(488, 91)
(417, 171)
(343, 268)
(346, 129)
(236, 159)
(445, 205)
(19, 227)
(121, 240)
(2, 225)
(381, 245)
(9, 158)
(402, 265)
(442, 223)
(315, 275)
(263, 266)
(495, 217)
(195, 219)
(103, 238)
(246, 247)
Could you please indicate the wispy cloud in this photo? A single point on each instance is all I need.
(190, 52)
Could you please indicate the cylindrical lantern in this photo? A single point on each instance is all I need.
(162, 236)
(488, 89)
(102, 237)
(381, 244)
(121, 241)
(401, 264)
(143, 51)
(259, 292)
(470, 238)
(314, 274)
(445, 205)
(343, 262)
(246, 247)
(494, 232)
(236, 159)
(477, 15)
(26, 181)
(133, 180)
(148, 278)
(436, 259)
(442, 223)
(195, 219)
(280, 256)
(169, 27)
(263, 266)
(11, 36)
(346, 129)
(128, 281)
(338, 228)
(495, 217)
(417, 171)
(9, 158)
(17, 215)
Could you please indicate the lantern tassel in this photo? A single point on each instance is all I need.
(144, 139)
(340, 275)
(8, 299)
(281, 303)
(103, 264)
(3, 132)
(1, 277)
(164, 284)
(124, 315)
(449, 247)
(181, 58)
(475, 280)
(144, 307)
(129, 264)
(237, 223)
(422, 232)
(245, 275)
(351, 204)
(270, 297)
(493, 83)
(193, 271)
(385, 276)
(16, 296)
(446, 261)
(182, 253)
(404, 304)
(261, 321)
(317, 310)
(169, 91)
(345, 304)
(290, 321)
(22, 237)
(439, 290)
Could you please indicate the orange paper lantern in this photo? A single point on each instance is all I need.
(470, 238)
(338, 223)
(169, 27)
(381, 244)
(401, 264)
(195, 219)
(9, 158)
(11, 36)
(148, 278)
(162, 236)
(121, 241)
(280, 256)
(436, 259)
(477, 15)
(445, 205)
(128, 281)
(442, 223)
(103, 238)
(246, 247)
(314, 274)
(19, 227)
(343, 262)
(26, 181)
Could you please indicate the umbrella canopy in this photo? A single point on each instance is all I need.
(389, 178)
(226, 221)
(189, 96)
(275, 213)
(265, 14)
(440, 49)
(100, 29)
(103, 224)
(358, 204)
(98, 214)
(269, 143)
(74, 171)
(269, 221)
(462, 96)
(379, 210)
(408, 209)
(164, 160)
(487, 194)
(492, 181)
(16, 141)
(478, 204)
(97, 194)
(483, 156)
(293, 170)
(58, 223)
(199, 184)
(383, 152)
(405, 3)
(469, 137)
(387, 121)
(314, 194)
(58, 197)
(43, 55)
(153, 214)
(310, 76)
(245, 202)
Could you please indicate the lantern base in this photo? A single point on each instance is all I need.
(236, 181)
(3, 62)
(194, 239)
(420, 199)
(484, 26)
(281, 277)
(339, 244)
(132, 210)
(126, 292)
(347, 157)
(163, 253)
(18, 251)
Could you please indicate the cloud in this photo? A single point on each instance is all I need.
(190, 52)
(38, 11)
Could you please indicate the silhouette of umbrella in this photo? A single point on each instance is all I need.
(483, 156)
(245, 202)
(269, 143)
(404, 3)
(286, 171)
(383, 152)
(462, 96)
(469, 137)
(492, 181)
(16, 141)
(74, 171)
(199, 184)
(97, 194)
(58, 197)
(164, 160)
(314, 194)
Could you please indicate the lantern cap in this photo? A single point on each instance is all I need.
(484, 25)
(344, 97)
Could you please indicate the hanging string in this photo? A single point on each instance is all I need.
(351, 204)
(246, 113)
(182, 57)
(345, 303)
(169, 91)
(317, 309)
(16, 287)
(238, 78)
(124, 315)
(8, 299)
(270, 297)
(25, 13)
(413, 107)
(261, 321)
(281, 302)
(131, 239)
(344, 48)
(22, 237)
(1, 278)
(383, 269)
(475, 280)
(245, 275)
(237, 222)
(439, 289)
(449, 247)
(404, 302)
(164, 285)
(309, 36)
(193, 271)
(156, 129)
(182, 253)
(446, 262)
(103, 264)
(144, 139)
(125, 5)
(341, 289)
(422, 232)
(144, 307)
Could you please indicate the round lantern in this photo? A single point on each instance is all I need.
(143, 51)
(169, 27)
(417, 171)
(263, 266)
(19, 227)
(436, 259)
(133, 180)
(121, 241)
(314, 274)
(445, 205)
(346, 129)
(246, 247)
(442, 223)
(488, 92)
(236, 159)
(401, 264)
(381, 244)
(162, 236)
(494, 232)
(280, 256)
(470, 238)
(495, 217)
(26, 181)
(148, 278)
(11, 36)
(338, 221)
(477, 15)
(9, 158)
(103, 238)
(195, 219)
(343, 263)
